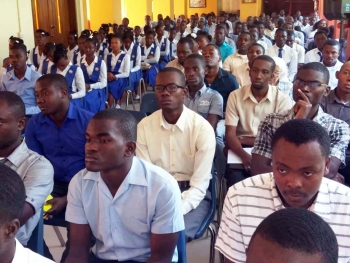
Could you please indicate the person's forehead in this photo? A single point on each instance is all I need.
(255, 48)
(310, 75)
(261, 64)
(165, 78)
(330, 48)
(193, 62)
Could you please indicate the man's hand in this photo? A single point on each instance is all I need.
(246, 162)
(302, 107)
(149, 57)
(58, 205)
(6, 63)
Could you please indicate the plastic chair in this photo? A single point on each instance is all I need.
(208, 223)
(55, 223)
(138, 115)
(129, 96)
(142, 87)
(181, 247)
(149, 103)
(38, 236)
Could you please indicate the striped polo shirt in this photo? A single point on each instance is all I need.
(248, 202)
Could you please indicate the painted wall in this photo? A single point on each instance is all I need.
(211, 6)
(16, 20)
(161, 7)
(251, 9)
(179, 7)
(135, 10)
(100, 13)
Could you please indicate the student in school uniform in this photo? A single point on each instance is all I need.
(164, 46)
(150, 55)
(203, 39)
(134, 51)
(72, 73)
(103, 31)
(78, 55)
(95, 75)
(137, 35)
(72, 43)
(49, 50)
(172, 44)
(101, 50)
(118, 71)
(182, 33)
(36, 55)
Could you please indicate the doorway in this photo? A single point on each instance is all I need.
(57, 17)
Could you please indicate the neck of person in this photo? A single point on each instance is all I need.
(242, 52)
(81, 52)
(6, 151)
(306, 206)
(194, 89)
(113, 178)
(9, 251)
(220, 43)
(212, 72)
(19, 73)
(159, 37)
(343, 97)
(313, 112)
(72, 46)
(59, 117)
(90, 57)
(209, 24)
(280, 46)
(116, 51)
(41, 48)
(261, 36)
(172, 116)
(182, 32)
(259, 94)
(330, 65)
(193, 27)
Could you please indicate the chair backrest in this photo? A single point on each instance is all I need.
(149, 103)
(181, 247)
(138, 115)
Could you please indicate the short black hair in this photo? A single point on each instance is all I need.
(216, 47)
(92, 40)
(317, 67)
(321, 32)
(204, 34)
(60, 52)
(259, 45)
(186, 40)
(12, 195)
(174, 70)
(333, 43)
(258, 23)
(300, 230)
(74, 33)
(128, 35)
(42, 32)
(267, 59)
(281, 30)
(220, 26)
(125, 122)
(117, 36)
(198, 57)
(290, 33)
(55, 80)
(14, 102)
(302, 131)
(20, 47)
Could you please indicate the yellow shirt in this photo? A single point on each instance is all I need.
(185, 150)
(244, 112)
(242, 74)
(175, 64)
(233, 61)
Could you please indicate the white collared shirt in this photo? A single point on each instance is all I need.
(186, 151)
(25, 255)
(178, 35)
(212, 29)
(133, 67)
(250, 201)
(333, 81)
(267, 41)
(263, 43)
(175, 64)
(230, 26)
(70, 52)
(78, 85)
(161, 44)
(124, 70)
(40, 58)
(242, 74)
(300, 52)
(233, 61)
(173, 48)
(189, 30)
(156, 56)
(79, 57)
(102, 80)
(289, 56)
(313, 56)
(40, 69)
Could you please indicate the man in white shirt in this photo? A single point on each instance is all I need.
(261, 28)
(280, 49)
(315, 55)
(298, 48)
(330, 53)
(172, 44)
(298, 34)
(211, 25)
(12, 202)
(183, 32)
(131, 207)
(240, 56)
(193, 28)
(300, 161)
(305, 23)
(181, 142)
(184, 48)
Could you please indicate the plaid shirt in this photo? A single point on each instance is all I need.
(338, 131)
(287, 88)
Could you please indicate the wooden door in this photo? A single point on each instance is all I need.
(56, 17)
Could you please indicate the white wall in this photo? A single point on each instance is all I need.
(16, 19)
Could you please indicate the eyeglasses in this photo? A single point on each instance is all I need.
(311, 85)
(169, 88)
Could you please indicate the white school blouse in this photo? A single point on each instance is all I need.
(78, 85)
(161, 43)
(137, 65)
(124, 70)
(102, 80)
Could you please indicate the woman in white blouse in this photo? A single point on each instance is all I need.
(118, 68)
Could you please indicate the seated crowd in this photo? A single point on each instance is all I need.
(274, 85)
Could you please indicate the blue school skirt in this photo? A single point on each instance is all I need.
(149, 75)
(95, 100)
(135, 78)
(117, 87)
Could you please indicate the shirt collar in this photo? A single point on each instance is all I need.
(16, 157)
(284, 47)
(20, 254)
(84, 60)
(180, 122)
(71, 114)
(199, 92)
(249, 94)
(27, 75)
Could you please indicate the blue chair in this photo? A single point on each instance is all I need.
(149, 103)
(138, 115)
(181, 248)
(207, 223)
(38, 237)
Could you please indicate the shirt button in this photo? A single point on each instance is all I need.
(172, 165)
(115, 230)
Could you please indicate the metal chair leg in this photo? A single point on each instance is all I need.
(59, 236)
(142, 87)
(132, 100)
(127, 99)
(212, 243)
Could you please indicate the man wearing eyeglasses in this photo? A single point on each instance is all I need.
(310, 86)
(181, 142)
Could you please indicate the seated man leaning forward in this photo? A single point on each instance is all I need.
(301, 159)
(181, 142)
(131, 207)
(310, 85)
(272, 241)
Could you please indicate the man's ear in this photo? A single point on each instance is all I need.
(11, 228)
(130, 148)
(22, 123)
(326, 168)
(327, 90)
